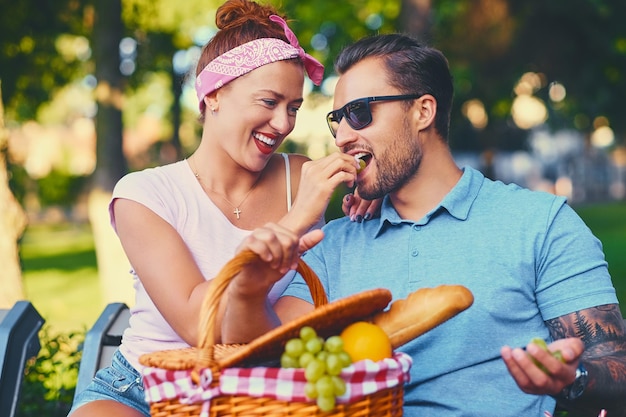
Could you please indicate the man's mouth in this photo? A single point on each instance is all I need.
(363, 158)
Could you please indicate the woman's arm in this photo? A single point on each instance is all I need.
(165, 265)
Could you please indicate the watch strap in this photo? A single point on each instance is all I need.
(576, 389)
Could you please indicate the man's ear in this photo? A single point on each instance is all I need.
(425, 111)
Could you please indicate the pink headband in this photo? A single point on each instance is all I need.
(251, 55)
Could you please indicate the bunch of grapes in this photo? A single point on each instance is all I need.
(322, 361)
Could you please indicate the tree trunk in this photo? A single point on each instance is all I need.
(111, 164)
(12, 224)
(415, 19)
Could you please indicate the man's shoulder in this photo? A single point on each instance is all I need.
(517, 194)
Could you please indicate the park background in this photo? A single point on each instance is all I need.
(93, 89)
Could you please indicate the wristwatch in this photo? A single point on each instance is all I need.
(577, 388)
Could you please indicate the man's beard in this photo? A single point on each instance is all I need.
(394, 166)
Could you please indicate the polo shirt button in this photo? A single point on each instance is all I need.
(416, 227)
(414, 252)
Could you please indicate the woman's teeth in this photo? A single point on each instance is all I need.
(264, 139)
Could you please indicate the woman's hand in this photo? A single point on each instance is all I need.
(318, 181)
(279, 250)
(359, 209)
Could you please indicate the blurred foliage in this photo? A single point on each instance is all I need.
(50, 378)
(490, 44)
(325, 27)
(578, 43)
(31, 67)
(58, 188)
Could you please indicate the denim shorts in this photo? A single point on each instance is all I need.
(119, 382)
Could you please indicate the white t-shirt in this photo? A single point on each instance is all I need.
(172, 192)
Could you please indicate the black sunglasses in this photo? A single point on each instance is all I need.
(358, 113)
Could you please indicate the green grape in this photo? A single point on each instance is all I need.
(310, 390)
(334, 344)
(314, 370)
(326, 403)
(325, 386)
(339, 384)
(362, 164)
(313, 345)
(557, 354)
(543, 345)
(288, 361)
(307, 333)
(322, 361)
(345, 359)
(539, 342)
(334, 365)
(294, 348)
(304, 360)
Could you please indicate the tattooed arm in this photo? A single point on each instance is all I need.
(603, 332)
(594, 336)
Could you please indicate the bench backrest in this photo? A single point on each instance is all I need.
(19, 341)
(101, 341)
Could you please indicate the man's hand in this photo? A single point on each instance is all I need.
(554, 376)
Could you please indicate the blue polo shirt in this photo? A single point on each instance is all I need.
(526, 256)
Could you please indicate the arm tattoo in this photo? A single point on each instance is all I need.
(603, 331)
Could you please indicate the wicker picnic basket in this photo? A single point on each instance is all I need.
(326, 318)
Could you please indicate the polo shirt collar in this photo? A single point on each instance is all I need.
(457, 202)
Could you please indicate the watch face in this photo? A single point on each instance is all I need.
(577, 389)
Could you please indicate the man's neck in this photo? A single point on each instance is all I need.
(431, 183)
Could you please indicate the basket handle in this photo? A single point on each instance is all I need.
(219, 284)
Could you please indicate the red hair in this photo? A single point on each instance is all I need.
(239, 22)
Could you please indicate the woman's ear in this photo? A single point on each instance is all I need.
(425, 111)
(211, 102)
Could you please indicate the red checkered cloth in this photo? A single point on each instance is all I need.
(362, 378)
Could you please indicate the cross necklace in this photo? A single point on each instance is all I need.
(237, 211)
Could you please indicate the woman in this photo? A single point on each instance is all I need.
(180, 223)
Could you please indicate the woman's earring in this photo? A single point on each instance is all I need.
(207, 102)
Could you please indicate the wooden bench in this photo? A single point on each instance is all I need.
(101, 341)
(19, 341)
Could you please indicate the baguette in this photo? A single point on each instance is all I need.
(422, 311)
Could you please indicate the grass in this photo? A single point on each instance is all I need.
(61, 277)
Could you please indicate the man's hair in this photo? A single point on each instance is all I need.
(410, 67)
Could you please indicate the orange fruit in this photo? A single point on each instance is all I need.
(363, 340)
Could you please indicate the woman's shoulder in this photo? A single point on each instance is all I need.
(296, 160)
(153, 176)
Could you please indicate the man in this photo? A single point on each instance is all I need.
(533, 266)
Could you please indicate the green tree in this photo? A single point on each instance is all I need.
(31, 65)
